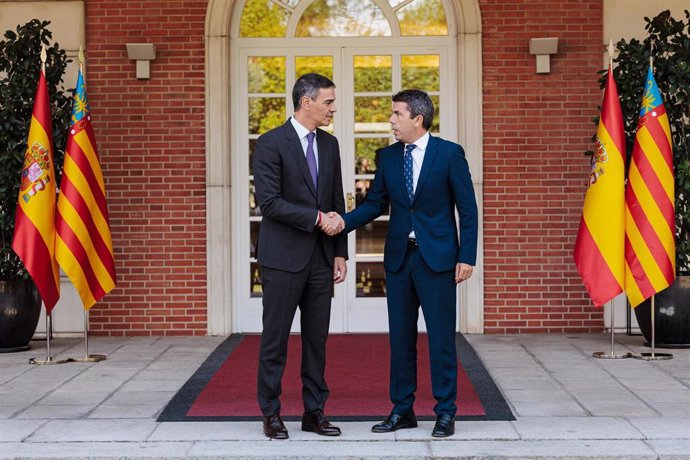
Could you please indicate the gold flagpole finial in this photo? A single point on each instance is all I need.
(81, 58)
(611, 51)
(651, 52)
(44, 58)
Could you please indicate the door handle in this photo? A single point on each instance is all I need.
(350, 202)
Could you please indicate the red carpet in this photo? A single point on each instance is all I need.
(224, 386)
(357, 373)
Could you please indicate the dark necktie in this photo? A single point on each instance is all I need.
(407, 170)
(311, 158)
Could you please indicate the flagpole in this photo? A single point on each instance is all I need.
(653, 356)
(49, 319)
(612, 354)
(88, 358)
(49, 357)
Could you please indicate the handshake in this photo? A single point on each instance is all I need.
(331, 223)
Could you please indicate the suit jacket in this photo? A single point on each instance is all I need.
(444, 184)
(289, 201)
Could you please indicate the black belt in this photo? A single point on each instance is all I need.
(412, 243)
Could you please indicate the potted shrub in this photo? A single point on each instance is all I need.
(20, 304)
(671, 53)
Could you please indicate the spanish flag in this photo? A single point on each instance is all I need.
(599, 248)
(34, 228)
(650, 251)
(84, 245)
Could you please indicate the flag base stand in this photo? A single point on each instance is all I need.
(88, 358)
(602, 355)
(653, 356)
(48, 361)
(612, 354)
(49, 357)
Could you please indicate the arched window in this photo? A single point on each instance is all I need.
(342, 18)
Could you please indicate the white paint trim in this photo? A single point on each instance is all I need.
(469, 62)
(218, 185)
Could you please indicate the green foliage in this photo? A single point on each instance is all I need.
(19, 73)
(670, 39)
(266, 113)
(426, 17)
(263, 18)
(342, 18)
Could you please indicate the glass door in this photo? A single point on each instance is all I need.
(366, 79)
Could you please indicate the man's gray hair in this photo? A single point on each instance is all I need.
(309, 85)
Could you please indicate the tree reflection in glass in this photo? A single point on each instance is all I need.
(265, 113)
(343, 18)
(261, 18)
(266, 74)
(423, 17)
(323, 65)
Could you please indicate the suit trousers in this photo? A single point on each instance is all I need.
(311, 289)
(414, 284)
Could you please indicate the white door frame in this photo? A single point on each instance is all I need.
(221, 21)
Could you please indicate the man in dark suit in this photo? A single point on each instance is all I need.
(298, 180)
(424, 179)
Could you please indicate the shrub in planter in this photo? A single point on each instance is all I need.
(20, 64)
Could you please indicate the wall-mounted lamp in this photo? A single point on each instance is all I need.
(143, 53)
(543, 47)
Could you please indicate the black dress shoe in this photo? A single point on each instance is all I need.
(445, 426)
(316, 422)
(274, 427)
(396, 422)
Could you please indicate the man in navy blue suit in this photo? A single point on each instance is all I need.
(424, 179)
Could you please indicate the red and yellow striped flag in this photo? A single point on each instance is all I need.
(599, 248)
(650, 251)
(84, 245)
(34, 228)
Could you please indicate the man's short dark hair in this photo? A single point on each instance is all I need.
(418, 103)
(309, 85)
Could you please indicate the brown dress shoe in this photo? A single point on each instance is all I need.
(316, 422)
(274, 427)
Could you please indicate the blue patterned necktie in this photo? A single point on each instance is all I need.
(311, 158)
(407, 170)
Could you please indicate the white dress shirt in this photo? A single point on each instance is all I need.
(417, 160)
(302, 133)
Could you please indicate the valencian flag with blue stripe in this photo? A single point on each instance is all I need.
(34, 228)
(84, 247)
(599, 248)
(650, 252)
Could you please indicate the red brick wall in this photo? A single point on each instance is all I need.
(151, 141)
(536, 128)
(152, 146)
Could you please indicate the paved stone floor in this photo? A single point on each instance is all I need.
(567, 405)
